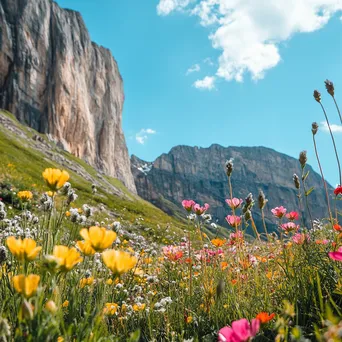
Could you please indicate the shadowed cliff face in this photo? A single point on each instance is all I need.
(199, 174)
(54, 79)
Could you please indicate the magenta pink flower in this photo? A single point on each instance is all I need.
(293, 215)
(279, 212)
(198, 210)
(234, 203)
(241, 331)
(336, 255)
(236, 236)
(188, 204)
(290, 227)
(300, 238)
(233, 220)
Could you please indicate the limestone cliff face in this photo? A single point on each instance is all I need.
(199, 174)
(57, 81)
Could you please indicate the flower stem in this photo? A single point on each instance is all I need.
(333, 140)
(323, 180)
(338, 109)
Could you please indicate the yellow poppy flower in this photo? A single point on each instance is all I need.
(100, 238)
(25, 195)
(118, 261)
(23, 249)
(55, 178)
(110, 309)
(86, 281)
(85, 247)
(27, 286)
(65, 304)
(139, 307)
(67, 257)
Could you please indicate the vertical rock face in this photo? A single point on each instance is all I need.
(199, 173)
(54, 79)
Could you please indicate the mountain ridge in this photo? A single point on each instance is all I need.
(187, 172)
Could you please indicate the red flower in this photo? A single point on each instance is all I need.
(338, 190)
(337, 227)
(293, 215)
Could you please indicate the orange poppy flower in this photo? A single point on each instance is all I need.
(337, 227)
(264, 317)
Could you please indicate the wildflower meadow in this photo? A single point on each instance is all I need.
(68, 273)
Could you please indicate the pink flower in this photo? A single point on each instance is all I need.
(300, 238)
(290, 227)
(233, 220)
(188, 204)
(336, 255)
(241, 331)
(293, 215)
(236, 236)
(200, 210)
(279, 212)
(234, 203)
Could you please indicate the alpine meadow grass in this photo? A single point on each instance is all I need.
(70, 273)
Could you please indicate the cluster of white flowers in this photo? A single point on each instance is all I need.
(162, 304)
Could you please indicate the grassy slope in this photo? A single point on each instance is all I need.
(22, 165)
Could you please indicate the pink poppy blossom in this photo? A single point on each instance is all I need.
(198, 210)
(290, 227)
(188, 204)
(300, 238)
(233, 220)
(240, 331)
(279, 212)
(336, 255)
(234, 203)
(293, 215)
(236, 237)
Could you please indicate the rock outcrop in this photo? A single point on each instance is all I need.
(199, 174)
(57, 81)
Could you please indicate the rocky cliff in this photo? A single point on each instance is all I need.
(57, 81)
(199, 174)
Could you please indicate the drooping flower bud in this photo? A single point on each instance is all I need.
(314, 128)
(3, 254)
(317, 96)
(296, 181)
(303, 158)
(229, 167)
(262, 200)
(330, 87)
(247, 215)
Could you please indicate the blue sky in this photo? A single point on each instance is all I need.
(253, 76)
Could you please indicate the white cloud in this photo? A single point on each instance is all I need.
(334, 128)
(249, 32)
(142, 136)
(194, 68)
(208, 83)
(165, 7)
(208, 61)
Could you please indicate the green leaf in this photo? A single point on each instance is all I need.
(135, 336)
(308, 192)
(304, 177)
